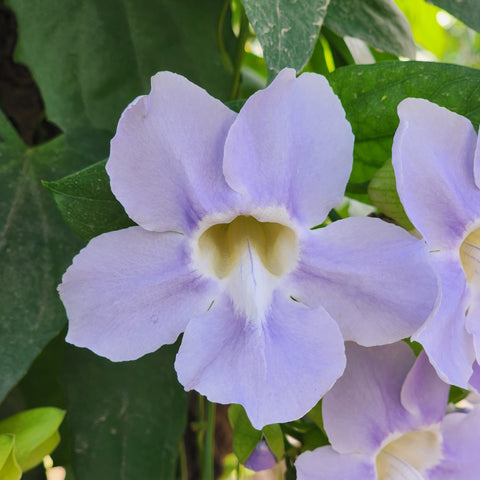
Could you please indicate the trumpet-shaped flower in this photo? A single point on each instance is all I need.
(385, 419)
(436, 156)
(224, 250)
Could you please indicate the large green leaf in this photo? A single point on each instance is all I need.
(35, 248)
(380, 23)
(370, 95)
(91, 58)
(286, 29)
(465, 10)
(126, 418)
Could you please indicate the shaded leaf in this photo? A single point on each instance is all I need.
(380, 23)
(126, 418)
(370, 95)
(36, 434)
(245, 437)
(287, 30)
(87, 203)
(102, 53)
(382, 191)
(35, 248)
(274, 436)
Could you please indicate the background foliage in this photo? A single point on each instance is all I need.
(89, 60)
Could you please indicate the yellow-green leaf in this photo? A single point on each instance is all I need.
(35, 433)
(9, 469)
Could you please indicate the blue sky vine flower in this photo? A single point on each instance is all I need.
(262, 458)
(386, 420)
(437, 166)
(224, 250)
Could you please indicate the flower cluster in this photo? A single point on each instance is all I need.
(225, 251)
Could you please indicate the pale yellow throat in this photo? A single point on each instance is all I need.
(249, 257)
(470, 256)
(408, 456)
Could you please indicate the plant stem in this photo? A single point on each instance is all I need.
(242, 38)
(208, 451)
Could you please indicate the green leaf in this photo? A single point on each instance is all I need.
(35, 248)
(456, 394)
(275, 440)
(465, 10)
(91, 59)
(287, 30)
(380, 23)
(9, 469)
(36, 434)
(245, 437)
(370, 95)
(86, 202)
(382, 191)
(126, 418)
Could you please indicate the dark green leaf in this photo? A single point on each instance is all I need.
(380, 23)
(287, 30)
(456, 394)
(245, 437)
(465, 10)
(90, 59)
(370, 95)
(127, 418)
(35, 248)
(87, 203)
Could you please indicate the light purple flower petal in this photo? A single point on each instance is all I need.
(363, 408)
(324, 463)
(261, 458)
(423, 394)
(165, 162)
(372, 277)
(461, 440)
(448, 345)
(474, 382)
(129, 292)
(291, 145)
(277, 368)
(433, 152)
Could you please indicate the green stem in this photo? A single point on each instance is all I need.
(223, 51)
(242, 38)
(208, 451)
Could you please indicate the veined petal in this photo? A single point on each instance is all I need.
(277, 370)
(423, 394)
(371, 384)
(433, 154)
(165, 162)
(372, 277)
(444, 337)
(461, 437)
(129, 292)
(325, 463)
(291, 145)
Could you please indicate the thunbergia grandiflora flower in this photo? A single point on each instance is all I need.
(386, 420)
(436, 157)
(224, 251)
(262, 458)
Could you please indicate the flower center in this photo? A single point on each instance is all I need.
(248, 258)
(410, 454)
(223, 245)
(470, 255)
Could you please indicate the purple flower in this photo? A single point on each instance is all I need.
(224, 204)
(385, 419)
(261, 458)
(437, 165)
